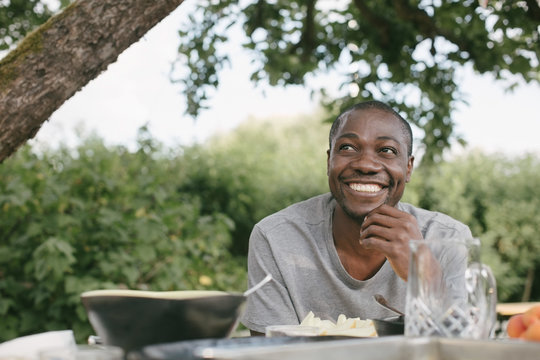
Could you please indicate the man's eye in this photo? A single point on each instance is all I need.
(346, 147)
(389, 150)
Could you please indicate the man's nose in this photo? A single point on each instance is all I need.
(366, 162)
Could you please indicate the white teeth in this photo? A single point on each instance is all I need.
(365, 187)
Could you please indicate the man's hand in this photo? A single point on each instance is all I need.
(388, 230)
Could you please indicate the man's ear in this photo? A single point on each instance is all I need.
(327, 162)
(410, 166)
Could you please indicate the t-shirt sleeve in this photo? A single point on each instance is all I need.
(271, 304)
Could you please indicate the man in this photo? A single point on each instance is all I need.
(330, 254)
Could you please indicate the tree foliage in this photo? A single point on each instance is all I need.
(406, 53)
(19, 17)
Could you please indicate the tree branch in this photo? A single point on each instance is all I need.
(427, 27)
(534, 10)
(420, 18)
(52, 63)
(377, 21)
(307, 39)
(308, 35)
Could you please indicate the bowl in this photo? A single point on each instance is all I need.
(132, 319)
(394, 325)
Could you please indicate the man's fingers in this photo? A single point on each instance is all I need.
(376, 243)
(376, 231)
(391, 224)
(379, 220)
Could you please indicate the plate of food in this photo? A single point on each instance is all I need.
(312, 325)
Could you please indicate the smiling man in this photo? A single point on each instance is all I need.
(330, 254)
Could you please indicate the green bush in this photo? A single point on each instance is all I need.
(100, 217)
(260, 168)
(499, 198)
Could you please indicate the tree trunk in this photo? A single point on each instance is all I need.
(528, 285)
(55, 61)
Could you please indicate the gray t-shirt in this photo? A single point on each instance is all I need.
(296, 246)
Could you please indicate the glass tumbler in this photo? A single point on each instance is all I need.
(450, 293)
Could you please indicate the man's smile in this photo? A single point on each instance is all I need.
(366, 188)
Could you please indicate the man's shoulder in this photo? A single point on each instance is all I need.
(310, 211)
(430, 221)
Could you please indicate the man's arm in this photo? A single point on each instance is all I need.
(271, 304)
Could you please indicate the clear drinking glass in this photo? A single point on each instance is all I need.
(450, 293)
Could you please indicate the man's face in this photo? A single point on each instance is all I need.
(368, 164)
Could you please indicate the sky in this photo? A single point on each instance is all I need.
(136, 90)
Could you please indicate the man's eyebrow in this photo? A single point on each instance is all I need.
(389, 138)
(355, 136)
(348, 136)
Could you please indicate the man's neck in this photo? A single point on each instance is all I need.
(346, 231)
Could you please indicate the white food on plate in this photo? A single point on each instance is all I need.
(344, 326)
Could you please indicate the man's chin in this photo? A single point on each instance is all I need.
(356, 209)
(358, 215)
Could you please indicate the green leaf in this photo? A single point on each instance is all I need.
(53, 259)
(5, 305)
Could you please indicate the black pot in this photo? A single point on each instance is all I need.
(394, 325)
(132, 319)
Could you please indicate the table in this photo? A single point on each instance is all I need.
(384, 348)
(509, 309)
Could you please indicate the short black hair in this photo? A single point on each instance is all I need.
(373, 104)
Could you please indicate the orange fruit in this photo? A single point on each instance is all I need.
(531, 315)
(515, 326)
(533, 331)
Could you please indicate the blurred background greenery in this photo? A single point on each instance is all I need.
(76, 219)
